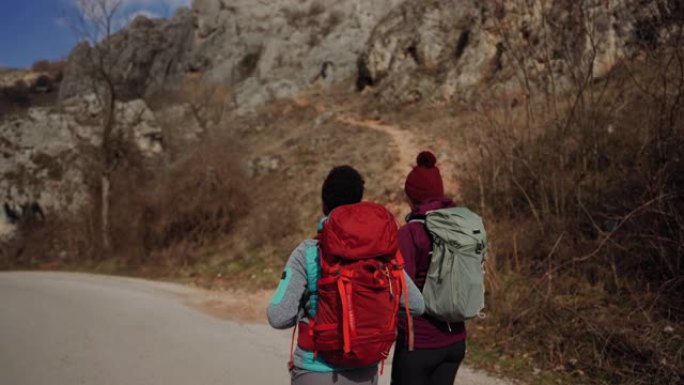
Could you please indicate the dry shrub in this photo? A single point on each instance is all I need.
(14, 98)
(170, 215)
(164, 214)
(53, 68)
(209, 103)
(585, 204)
(50, 242)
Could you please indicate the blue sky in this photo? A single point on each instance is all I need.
(31, 30)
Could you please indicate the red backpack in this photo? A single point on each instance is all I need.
(354, 317)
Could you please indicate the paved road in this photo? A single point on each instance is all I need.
(69, 329)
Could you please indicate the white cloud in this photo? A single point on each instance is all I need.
(129, 4)
(95, 9)
(142, 12)
(168, 3)
(146, 4)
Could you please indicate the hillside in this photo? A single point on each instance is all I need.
(199, 153)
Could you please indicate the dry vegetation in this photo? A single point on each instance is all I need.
(582, 193)
(21, 89)
(585, 205)
(222, 210)
(583, 197)
(161, 216)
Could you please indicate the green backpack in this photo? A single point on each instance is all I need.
(454, 286)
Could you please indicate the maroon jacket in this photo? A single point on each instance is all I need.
(416, 246)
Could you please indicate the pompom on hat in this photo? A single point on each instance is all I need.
(424, 181)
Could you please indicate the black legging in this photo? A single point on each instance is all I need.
(427, 366)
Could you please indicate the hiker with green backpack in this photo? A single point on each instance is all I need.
(443, 248)
(342, 290)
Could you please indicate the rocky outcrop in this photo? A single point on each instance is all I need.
(48, 155)
(453, 49)
(260, 49)
(142, 58)
(273, 49)
(415, 49)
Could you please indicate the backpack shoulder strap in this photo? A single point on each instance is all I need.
(420, 218)
(415, 218)
(313, 273)
(313, 269)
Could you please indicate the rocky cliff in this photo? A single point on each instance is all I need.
(48, 157)
(416, 49)
(262, 50)
(453, 49)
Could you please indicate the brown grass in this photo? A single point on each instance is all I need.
(582, 196)
(173, 213)
(585, 209)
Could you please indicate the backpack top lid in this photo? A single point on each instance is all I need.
(456, 225)
(359, 231)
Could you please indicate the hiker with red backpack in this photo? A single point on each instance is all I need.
(343, 289)
(443, 248)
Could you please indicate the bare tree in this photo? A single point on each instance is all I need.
(94, 23)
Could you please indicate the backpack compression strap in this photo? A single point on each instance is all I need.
(347, 309)
(404, 288)
(290, 364)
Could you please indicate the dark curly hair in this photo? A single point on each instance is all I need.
(342, 186)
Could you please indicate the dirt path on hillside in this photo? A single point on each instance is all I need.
(405, 150)
(403, 140)
(405, 146)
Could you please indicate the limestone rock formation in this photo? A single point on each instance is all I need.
(48, 154)
(451, 49)
(261, 49)
(143, 57)
(417, 49)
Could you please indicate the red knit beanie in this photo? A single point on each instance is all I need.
(424, 181)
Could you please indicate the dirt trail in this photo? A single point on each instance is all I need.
(405, 146)
(403, 140)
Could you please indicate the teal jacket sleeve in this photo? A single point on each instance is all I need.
(287, 301)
